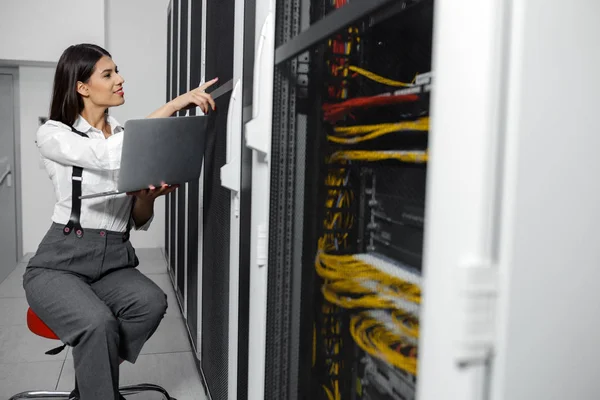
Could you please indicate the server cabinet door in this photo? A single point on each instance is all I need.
(217, 204)
(258, 139)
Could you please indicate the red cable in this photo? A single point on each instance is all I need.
(335, 112)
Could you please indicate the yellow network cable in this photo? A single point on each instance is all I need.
(378, 78)
(375, 131)
(417, 157)
(373, 301)
(408, 323)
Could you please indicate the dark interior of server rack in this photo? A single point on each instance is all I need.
(369, 86)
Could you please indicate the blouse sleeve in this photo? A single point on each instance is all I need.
(58, 143)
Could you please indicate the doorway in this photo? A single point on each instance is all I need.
(10, 245)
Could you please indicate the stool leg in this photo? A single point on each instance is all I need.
(41, 394)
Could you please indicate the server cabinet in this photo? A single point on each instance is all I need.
(341, 150)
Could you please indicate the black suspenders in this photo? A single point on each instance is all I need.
(74, 223)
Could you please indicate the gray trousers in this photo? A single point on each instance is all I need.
(88, 291)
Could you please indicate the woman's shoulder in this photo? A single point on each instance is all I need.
(51, 128)
(53, 125)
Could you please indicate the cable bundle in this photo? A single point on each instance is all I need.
(337, 225)
(379, 341)
(375, 131)
(356, 282)
(331, 334)
(355, 273)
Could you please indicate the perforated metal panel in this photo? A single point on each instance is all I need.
(215, 272)
(284, 192)
(215, 265)
(168, 98)
(194, 187)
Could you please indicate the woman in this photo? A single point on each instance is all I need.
(82, 281)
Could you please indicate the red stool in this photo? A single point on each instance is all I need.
(37, 326)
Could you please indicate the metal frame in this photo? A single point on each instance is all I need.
(14, 71)
(324, 28)
(125, 390)
(168, 98)
(258, 138)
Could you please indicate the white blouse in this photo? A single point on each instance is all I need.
(100, 158)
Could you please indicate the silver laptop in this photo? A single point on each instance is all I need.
(157, 150)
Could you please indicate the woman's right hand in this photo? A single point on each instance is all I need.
(195, 97)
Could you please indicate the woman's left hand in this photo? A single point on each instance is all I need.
(150, 194)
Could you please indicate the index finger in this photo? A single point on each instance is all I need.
(208, 84)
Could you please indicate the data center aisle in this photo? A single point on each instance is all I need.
(166, 359)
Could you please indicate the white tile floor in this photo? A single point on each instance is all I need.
(166, 360)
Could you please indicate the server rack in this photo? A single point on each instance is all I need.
(339, 196)
(205, 253)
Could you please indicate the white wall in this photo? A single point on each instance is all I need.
(39, 30)
(37, 193)
(139, 48)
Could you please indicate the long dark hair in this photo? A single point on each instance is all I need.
(76, 64)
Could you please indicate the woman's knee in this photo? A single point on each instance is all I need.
(101, 320)
(159, 306)
(154, 302)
